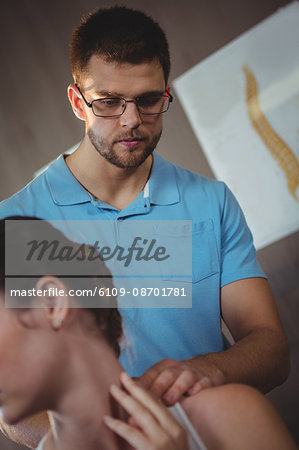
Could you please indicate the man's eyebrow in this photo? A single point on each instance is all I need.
(149, 93)
(105, 93)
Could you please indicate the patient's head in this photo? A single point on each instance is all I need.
(32, 331)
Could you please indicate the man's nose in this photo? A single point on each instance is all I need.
(131, 117)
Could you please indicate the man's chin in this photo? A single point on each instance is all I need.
(124, 155)
(128, 158)
(128, 163)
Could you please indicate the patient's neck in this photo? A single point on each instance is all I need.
(77, 419)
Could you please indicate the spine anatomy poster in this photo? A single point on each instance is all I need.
(243, 105)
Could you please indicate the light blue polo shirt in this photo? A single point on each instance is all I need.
(222, 251)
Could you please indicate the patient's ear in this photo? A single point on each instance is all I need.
(55, 300)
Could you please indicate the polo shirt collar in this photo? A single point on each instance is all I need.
(163, 188)
(66, 190)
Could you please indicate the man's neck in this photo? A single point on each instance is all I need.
(113, 185)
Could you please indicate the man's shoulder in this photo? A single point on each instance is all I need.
(190, 180)
(26, 201)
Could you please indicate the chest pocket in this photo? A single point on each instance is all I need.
(192, 248)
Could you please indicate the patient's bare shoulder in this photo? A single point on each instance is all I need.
(28, 432)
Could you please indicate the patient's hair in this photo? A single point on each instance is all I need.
(120, 35)
(108, 319)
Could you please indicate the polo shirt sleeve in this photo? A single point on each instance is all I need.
(238, 255)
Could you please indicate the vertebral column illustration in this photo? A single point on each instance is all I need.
(283, 154)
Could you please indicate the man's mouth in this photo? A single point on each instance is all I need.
(130, 142)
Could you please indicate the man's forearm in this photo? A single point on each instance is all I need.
(260, 359)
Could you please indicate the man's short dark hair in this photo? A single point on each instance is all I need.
(120, 35)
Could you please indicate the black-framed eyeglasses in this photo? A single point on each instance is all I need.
(148, 104)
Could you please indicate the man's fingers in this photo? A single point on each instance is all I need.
(153, 372)
(170, 379)
(181, 385)
(203, 383)
(163, 382)
(197, 387)
(149, 376)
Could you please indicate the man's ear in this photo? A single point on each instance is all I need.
(55, 300)
(76, 101)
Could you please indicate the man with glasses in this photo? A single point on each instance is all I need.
(120, 64)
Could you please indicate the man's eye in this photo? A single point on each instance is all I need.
(147, 102)
(110, 102)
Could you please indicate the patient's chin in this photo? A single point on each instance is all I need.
(7, 417)
(12, 414)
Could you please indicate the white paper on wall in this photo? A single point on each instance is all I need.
(243, 105)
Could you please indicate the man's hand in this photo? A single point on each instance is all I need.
(259, 357)
(170, 379)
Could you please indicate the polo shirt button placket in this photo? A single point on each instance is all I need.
(146, 205)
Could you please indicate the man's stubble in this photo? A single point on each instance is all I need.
(136, 157)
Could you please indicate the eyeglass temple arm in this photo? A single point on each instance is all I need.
(87, 103)
(169, 94)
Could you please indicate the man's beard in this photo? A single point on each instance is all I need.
(136, 157)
